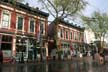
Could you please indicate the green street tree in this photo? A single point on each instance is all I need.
(61, 9)
(98, 23)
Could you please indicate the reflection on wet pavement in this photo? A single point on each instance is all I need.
(56, 66)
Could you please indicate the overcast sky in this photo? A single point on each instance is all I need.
(94, 5)
(99, 5)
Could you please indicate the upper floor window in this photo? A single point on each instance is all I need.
(42, 27)
(20, 21)
(75, 35)
(82, 37)
(66, 34)
(5, 19)
(32, 25)
(70, 35)
(79, 36)
(61, 33)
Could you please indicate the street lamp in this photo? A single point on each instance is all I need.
(41, 42)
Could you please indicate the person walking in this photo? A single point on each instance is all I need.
(1, 57)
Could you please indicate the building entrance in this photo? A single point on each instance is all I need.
(6, 47)
(21, 48)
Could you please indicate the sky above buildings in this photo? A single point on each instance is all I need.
(94, 5)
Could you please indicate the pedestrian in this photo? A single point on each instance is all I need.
(1, 57)
(22, 57)
(93, 54)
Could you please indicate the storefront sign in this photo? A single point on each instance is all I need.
(7, 53)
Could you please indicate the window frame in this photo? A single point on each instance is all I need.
(2, 20)
(30, 23)
(6, 41)
(61, 32)
(42, 22)
(75, 35)
(71, 35)
(66, 34)
(18, 15)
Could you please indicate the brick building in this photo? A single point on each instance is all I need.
(21, 28)
(69, 38)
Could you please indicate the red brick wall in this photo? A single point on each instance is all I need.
(13, 20)
(0, 13)
(37, 27)
(26, 23)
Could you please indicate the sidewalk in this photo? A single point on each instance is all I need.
(87, 58)
(79, 59)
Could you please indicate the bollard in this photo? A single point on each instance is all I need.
(101, 60)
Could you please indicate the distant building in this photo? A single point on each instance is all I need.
(89, 36)
(69, 37)
(21, 27)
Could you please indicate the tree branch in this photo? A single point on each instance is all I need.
(53, 7)
(48, 8)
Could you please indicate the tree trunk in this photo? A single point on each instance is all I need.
(56, 40)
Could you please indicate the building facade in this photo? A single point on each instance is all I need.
(22, 28)
(69, 38)
(89, 36)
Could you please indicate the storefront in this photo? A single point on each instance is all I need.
(13, 46)
(26, 46)
(65, 46)
(6, 45)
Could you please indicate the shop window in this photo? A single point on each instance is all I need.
(68, 52)
(20, 44)
(68, 45)
(6, 38)
(6, 42)
(6, 46)
(62, 45)
(20, 48)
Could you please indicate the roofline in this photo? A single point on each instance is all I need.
(26, 7)
(68, 24)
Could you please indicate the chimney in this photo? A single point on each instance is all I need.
(37, 8)
(27, 4)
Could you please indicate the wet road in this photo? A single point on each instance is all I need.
(56, 66)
